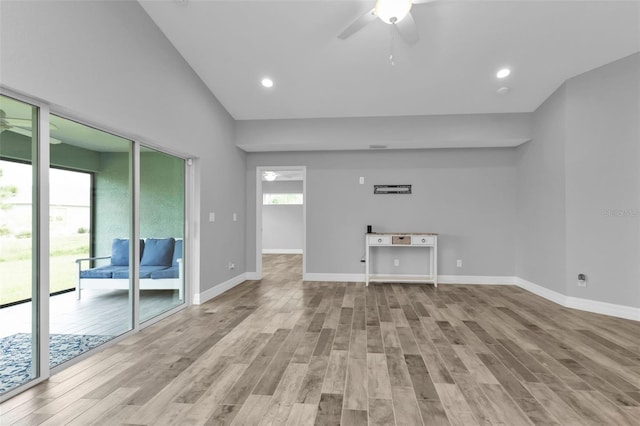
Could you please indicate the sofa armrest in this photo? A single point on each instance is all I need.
(92, 258)
(79, 262)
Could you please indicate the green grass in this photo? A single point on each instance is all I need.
(15, 265)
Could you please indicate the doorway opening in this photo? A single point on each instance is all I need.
(281, 201)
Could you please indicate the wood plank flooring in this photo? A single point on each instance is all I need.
(284, 352)
(99, 312)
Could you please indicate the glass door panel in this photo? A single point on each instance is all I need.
(90, 212)
(162, 195)
(18, 244)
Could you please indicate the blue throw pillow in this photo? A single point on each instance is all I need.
(158, 252)
(120, 251)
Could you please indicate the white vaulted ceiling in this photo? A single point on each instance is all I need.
(232, 45)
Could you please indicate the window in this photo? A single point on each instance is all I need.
(268, 199)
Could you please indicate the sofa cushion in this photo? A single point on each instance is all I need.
(120, 251)
(102, 271)
(158, 252)
(177, 253)
(145, 272)
(172, 272)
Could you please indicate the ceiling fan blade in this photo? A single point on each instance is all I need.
(19, 122)
(27, 133)
(358, 24)
(408, 30)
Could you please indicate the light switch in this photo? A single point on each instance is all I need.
(235, 217)
(361, 180)
(212, 217)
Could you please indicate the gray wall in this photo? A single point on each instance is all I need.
(540, 198)
(282, 186)
(602, 177)
(468, 196)
(282, 225)
(108, 63)
(579, 188)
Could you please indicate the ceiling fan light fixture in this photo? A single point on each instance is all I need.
(270, 176)
(4, 124)
(392, 11)
(503, 73)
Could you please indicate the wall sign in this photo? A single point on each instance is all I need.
(392, 189)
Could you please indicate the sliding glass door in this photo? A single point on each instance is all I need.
(90, 208)
(19, 351)
(92, 239)
(162, 183)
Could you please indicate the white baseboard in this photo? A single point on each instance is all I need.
(593, 306)
(603, 308)
(281, 251)
(200, 298)
(476, 279)
(253, 276)
(544, 292)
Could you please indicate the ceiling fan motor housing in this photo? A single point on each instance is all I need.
(392, 11)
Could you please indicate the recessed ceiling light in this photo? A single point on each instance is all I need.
(267, 82)
(504, 72)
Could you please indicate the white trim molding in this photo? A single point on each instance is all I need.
(476, 279)
(253, 276)
(544, 292)
(281, 251)
(604, 308)
(200, 298)
(593, 306)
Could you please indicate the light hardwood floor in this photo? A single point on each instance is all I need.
(99, 312)
(284, 352)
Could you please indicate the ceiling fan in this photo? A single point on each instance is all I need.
(392, 12)
(22, 126)
(7, 123)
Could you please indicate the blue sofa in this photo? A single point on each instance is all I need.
(160, 268)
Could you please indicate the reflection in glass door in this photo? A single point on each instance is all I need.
(162, 206)
(18, 244)
(90, 226)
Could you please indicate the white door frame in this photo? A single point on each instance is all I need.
(259, 171)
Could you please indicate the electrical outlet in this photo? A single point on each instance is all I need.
(212, 217)
(459, 263)
(235, 217)
(396, 262)
(361, 180)
(582, 280)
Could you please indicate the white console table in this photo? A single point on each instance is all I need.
(392, 239)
